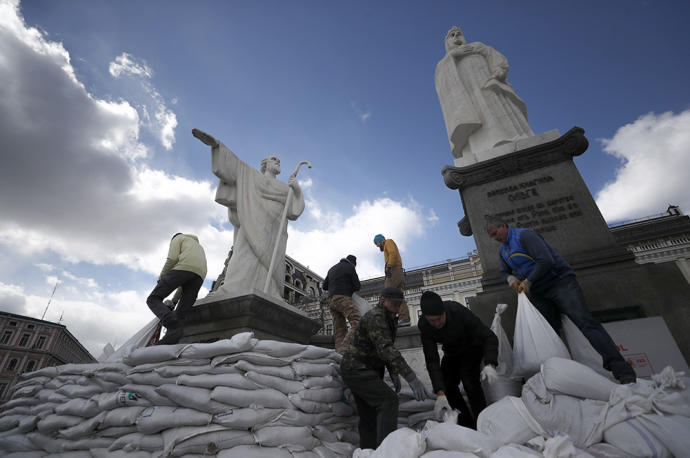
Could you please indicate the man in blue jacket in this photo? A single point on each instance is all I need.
(532, 266)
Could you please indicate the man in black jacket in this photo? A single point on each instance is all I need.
(340, 282)
(466, 341)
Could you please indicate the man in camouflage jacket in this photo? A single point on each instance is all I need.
(362, 368)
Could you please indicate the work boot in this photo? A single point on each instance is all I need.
(173, 333)
(623, 372)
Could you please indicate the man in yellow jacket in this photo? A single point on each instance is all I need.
(394, 272)
(185, 268)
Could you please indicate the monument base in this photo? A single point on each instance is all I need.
(213, 319)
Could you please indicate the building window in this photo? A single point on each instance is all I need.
(13, 323)
(30, 326)
(41, 341)
(329, 329)
(6, 336)
(312, 292)
(12, 365)
(30, 366)
(3, 387)
(24, 340)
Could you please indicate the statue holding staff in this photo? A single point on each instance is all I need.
(256, 204)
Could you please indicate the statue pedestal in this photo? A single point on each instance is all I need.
(540, 188)
(218, 318)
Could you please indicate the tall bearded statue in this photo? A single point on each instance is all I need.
(479, 106)
(256, 203)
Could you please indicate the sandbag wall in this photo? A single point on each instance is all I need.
(238, 397)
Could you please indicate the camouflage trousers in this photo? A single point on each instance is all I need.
(343, 308)
(397, 280)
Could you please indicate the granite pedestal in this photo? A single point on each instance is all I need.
(213, 319)
(540, 188)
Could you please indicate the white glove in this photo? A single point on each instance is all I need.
(419, 391)
(440, 406)
(524, 286)
(489, 374)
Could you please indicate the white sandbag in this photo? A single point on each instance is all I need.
(581, 350)
(32, 454)
(305, 454)
(534, 340)
(139, 339)
(633, 438)
(158, 418)
(322, 382)
(16, 443)
(28, 379)
(146, 392)
(246, 418)
(117, 431)
(10, 421)
(672, 430)
(114, 377)
(340, 409)
(238, 343)
(49, 396)
(603, 450)
(46, 442)
(665, 394)
(78, 391)
(503, 386)
(314, 354)
(88, 443)
(277, 383)
(566, 376)
(505, 350)
(254, 451)
(447, 436)
(416, 406)
(149, 378)
(582, 420)
(193, 397)
(268, 398)
(26, 391)
(279, 349)
(206, 440)
(53, 422)
(154, 354)
(293, 417)
(362, 304)
(347, 435)
(73, 454)
(104, 453)
(138, 441)
(213, 380)
(260, 359)
(323, 434)
(508, 421)
(120, 398)
(84, 428)
(420, 417)
(122, 416)
(336, 449)
(362, 453)
(182, 362)
(285, 372)
(515, 451)
(291, 437)
(322, 394)
(22, 424)
(451, 454)
(80, 407)
(309, 406)
(306, 369)
(401, 443)
(205, 369)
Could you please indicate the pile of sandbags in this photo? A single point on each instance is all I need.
(412, 413)
(566, 410)
(238, 397)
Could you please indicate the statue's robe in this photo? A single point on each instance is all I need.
(481, 112)
(255, 204)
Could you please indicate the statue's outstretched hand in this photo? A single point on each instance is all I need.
(204, 137)
(293, 183)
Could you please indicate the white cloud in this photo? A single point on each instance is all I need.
(364, 116)
(167, 121)
(12, 299)
(655, 159)
(341, 235)
(126, 64)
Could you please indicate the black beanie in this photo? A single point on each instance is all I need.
(352, 258)
(432, 304)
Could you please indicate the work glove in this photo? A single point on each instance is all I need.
(419, 391)
(514, 283)
(389, 272)
(441, 406)
(524, 286)
(395, 378)
(489, 374)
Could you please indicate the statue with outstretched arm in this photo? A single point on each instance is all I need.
(257, 203)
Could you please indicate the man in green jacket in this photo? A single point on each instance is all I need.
(370, 351)
(185, 268)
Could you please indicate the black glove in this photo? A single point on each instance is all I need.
(389, 272)
(395, 378)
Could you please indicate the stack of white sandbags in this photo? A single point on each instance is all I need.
(237, 397)
(566, 410)
(412, 413)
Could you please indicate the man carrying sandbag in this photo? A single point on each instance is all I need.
(466, 342)
(340, 282)
(370, 351)
(532, 266)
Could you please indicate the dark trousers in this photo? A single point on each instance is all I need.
(464, 369)
(173, 279)
(564, 296)
(377, 406)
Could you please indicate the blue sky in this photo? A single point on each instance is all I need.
(98, 100)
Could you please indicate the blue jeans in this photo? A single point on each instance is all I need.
(563, 295)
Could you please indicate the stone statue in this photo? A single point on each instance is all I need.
(256, 204)
(480, 107)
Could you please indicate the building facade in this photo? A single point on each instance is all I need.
(28, 344)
